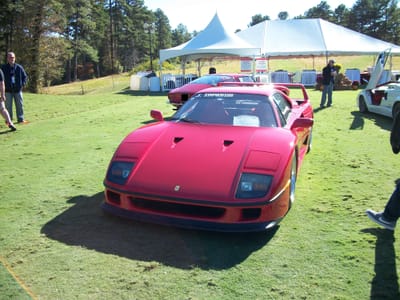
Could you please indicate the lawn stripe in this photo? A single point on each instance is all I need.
(17, 279)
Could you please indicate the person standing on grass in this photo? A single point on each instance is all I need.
(15, 79)
(3, 109)
(389, 216)
(328, 79)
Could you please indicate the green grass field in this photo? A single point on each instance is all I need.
(55, 242)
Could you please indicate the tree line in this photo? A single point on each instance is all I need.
(60, 41)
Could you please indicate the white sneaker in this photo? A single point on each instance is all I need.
(378, 218)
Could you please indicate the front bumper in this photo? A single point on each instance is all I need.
(198, 214)
(189, 223)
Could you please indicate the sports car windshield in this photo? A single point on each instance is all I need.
(228, 109)
(214, 79)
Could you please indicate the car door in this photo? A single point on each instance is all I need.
(287, 116)
(391, 98)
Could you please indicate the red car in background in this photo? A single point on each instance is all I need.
(227, 160)
(180, 95)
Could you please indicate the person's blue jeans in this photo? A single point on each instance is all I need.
(327, 91)
(19, 105)
(392, 208)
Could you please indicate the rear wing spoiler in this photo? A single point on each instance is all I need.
(283, 87)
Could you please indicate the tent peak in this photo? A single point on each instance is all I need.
(213, 41)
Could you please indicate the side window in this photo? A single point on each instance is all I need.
(283, 107)
(246, 79)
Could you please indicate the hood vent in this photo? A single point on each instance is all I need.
(177, 139)
(228, 143)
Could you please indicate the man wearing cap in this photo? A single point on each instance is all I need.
(328, 78)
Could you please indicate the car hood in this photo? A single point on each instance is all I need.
(196, 161)
(189, 88)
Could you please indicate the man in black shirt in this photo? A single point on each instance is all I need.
(328, 78)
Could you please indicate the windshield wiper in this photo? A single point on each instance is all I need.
(188, 120)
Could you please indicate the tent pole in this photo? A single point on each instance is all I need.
(198, 68)
(254, 66)
(183, 62)
(160, 75)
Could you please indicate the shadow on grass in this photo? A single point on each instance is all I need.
(318, 109)
(6, 131)
(385, 283)
(169, 118)
(85, 225)
(381, 121)
(141, 93)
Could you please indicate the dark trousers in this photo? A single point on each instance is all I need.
(392, 208)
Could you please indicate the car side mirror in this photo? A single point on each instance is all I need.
(156, 115)
(302, 123)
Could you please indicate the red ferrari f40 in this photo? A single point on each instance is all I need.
(227, 160)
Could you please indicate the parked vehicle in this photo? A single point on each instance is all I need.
(180, 95)
(380, 97)
(227, 160)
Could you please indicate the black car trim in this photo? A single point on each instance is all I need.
(190, 223)
(203, 202)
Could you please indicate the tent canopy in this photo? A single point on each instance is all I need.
(213, 41)
(311, 37)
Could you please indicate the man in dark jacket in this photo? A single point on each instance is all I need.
(328, 78)
(388, 218)
(15, 79)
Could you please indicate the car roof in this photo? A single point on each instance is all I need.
(229, 74)
(265, 90)
(212, 78)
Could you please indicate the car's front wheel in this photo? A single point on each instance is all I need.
(293, 179)
(309, 141)
(362, 105)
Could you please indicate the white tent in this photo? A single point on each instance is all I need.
(311, 37)
(213, 41)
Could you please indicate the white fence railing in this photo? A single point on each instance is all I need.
(170, 81)
(155, 84)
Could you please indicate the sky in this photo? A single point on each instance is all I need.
(234, 14)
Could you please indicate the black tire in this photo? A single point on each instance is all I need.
(395, 110)
(362, 105)
(309, 141)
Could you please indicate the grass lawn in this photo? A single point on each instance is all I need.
(55, 242)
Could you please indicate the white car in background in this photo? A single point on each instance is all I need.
(380, 97)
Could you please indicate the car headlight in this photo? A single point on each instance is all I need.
(253, 185)
(119, 172)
